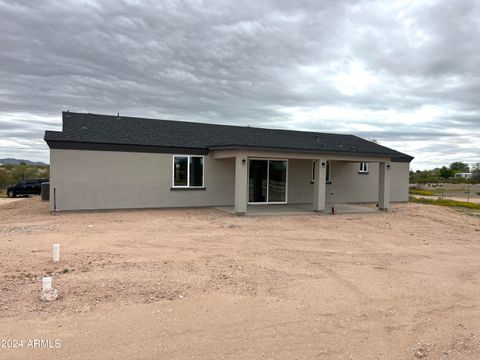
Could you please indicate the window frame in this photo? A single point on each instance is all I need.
(188, 186)
(268, 177)
(363, 168)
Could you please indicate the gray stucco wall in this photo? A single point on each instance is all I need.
(94, 180)
(347, 185)
(122, 180)
(300, 188)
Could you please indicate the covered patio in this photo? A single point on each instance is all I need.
(263, 179)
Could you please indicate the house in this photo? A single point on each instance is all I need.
(116, 162)
(465, 175)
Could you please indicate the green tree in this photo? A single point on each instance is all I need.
(446, 173)
(459, 167)
(22, 171)
(4, 178)
(425, 176)
(10, 173)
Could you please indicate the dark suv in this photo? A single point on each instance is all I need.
(26, 187)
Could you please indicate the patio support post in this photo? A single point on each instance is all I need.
(384, 186)
(241, 166)
(319, 185)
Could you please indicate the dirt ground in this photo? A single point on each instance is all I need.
(4, 200)
(202, 284)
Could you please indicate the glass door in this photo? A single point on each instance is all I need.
(277, 181)
(257, 181)
(267, 181)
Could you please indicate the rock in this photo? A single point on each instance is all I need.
(49, 295)
(420, 353)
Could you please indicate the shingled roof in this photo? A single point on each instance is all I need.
(121, 133)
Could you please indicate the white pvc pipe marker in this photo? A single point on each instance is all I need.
(56, 252)
(47, 283)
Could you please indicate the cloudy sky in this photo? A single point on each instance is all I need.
(404, 72)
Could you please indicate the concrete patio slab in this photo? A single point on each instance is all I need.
(300, 209)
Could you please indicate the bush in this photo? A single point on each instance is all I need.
(10, 174)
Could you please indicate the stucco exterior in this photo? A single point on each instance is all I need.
(95, 180)
(347, 184)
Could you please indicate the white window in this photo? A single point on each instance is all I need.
(363, 167)
(187, 171)
(327, 177)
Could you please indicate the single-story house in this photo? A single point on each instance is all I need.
(117, 162)
(465, 175)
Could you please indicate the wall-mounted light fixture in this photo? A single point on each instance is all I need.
(244, 161)
(323, 164)
(388, 166)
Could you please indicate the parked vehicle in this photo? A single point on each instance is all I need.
(26, 187)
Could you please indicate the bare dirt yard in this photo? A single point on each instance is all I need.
(202, 284)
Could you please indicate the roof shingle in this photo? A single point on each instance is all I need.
(121, 130)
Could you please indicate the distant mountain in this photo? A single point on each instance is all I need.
(18, 161)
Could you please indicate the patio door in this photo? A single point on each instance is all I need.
(267, 181)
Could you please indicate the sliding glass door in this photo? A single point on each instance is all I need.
(277, 181)
(267, 181)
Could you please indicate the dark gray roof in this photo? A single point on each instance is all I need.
(93, 129)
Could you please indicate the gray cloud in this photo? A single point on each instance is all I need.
(404, 72)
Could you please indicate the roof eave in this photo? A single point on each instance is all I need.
(97, 146)
(306, 150)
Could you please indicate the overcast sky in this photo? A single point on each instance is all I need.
(404, 72)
